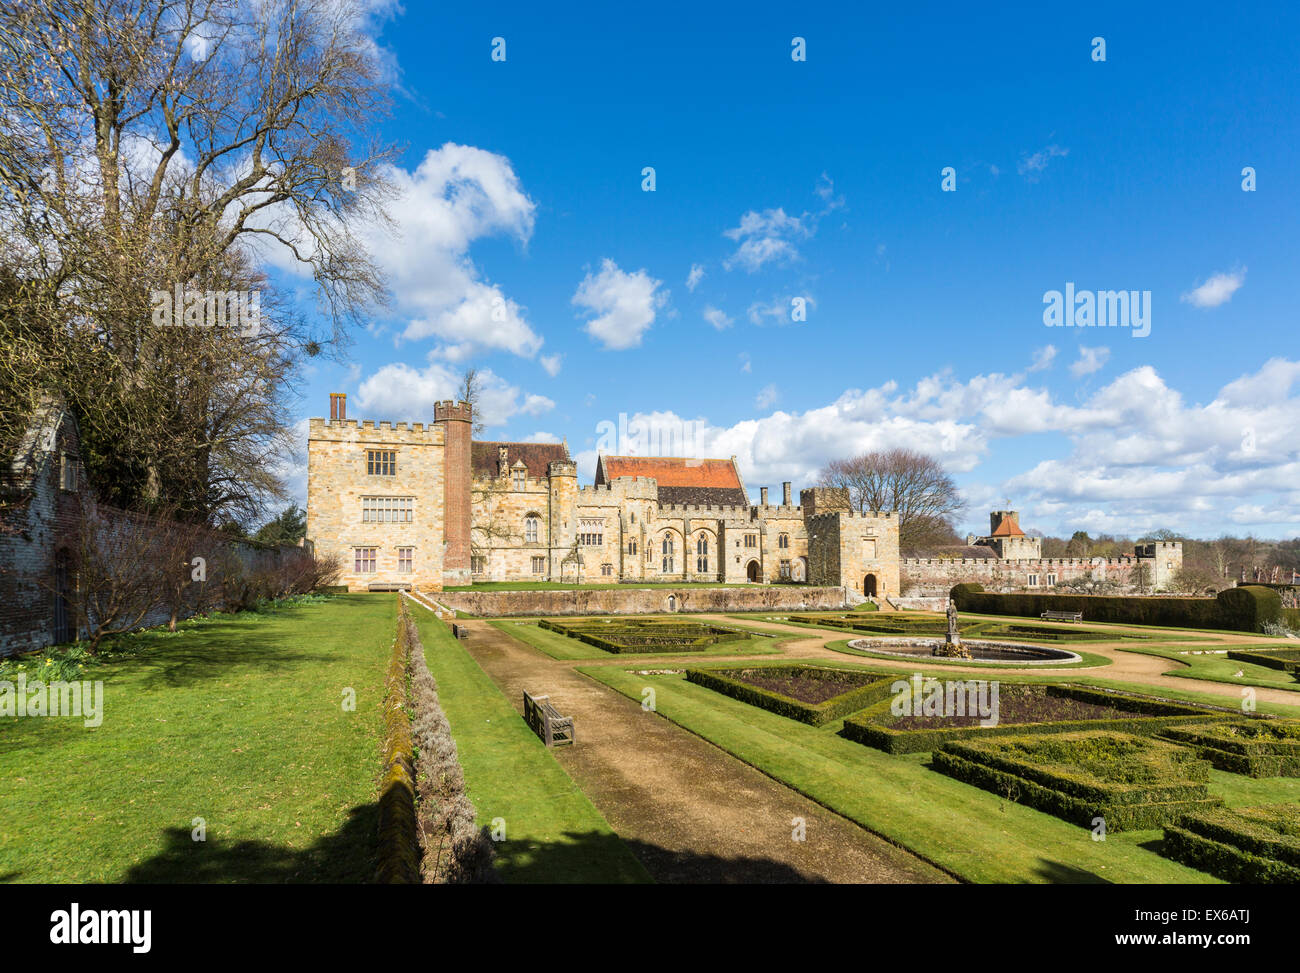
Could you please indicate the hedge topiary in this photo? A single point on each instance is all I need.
(1243, 609)
(1259, 845)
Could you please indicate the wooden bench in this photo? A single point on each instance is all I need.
(388, 586)
(545, 720)
(1063, 616)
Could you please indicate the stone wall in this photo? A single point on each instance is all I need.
(633, 601)
(1154, 569)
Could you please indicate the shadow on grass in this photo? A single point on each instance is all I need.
(345, 857)
(1058, 873)
(601, 857)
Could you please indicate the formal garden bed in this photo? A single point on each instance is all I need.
(1285, 660)
(645, 635)
(1256, 748)
(1240, 844)
(811, 694)
(1129, 782)
(1022, 708)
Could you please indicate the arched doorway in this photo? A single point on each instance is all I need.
(751, 571)
(869, 586)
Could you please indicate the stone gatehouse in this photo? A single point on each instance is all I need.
(426, 506)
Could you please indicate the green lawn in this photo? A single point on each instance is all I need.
(235, 719)
(553, 832)
(559, 646)
(1219, 668)
(970, 832)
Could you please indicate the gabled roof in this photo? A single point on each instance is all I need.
(682, 480)
(536, 456)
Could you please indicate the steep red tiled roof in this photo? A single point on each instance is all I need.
(1008, 528)
(535, 456)
(671, 471)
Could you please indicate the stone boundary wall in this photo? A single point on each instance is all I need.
(635, 601)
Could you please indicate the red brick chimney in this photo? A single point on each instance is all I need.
(338, 406)
(457, 419)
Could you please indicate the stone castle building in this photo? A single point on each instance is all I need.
(426, 506)
(1008, 559)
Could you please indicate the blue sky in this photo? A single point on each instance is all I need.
(529, 249)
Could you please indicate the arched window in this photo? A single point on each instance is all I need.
(783, 541)
(666, 549)
(702, 554)
(532, 527)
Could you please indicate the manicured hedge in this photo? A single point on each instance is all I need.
(868, 729)
(646, 636)
(1147, 784)
(1244, 609)
(1256, 748)
(1258, 845)
(1286, 660)
(815, 714)
(399, 842)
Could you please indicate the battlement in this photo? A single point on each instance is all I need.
(641, 487)
(724, 511)
(854, 515)
(449, 411)
(775, 511)
(348, 430)
(562, 467)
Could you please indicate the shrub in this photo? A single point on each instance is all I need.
(1130, 782)
(855, 696)
(1258, 845)
(646, 635)
(399, 847)
(1244, 608)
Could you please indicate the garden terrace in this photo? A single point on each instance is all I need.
(936, 625)
(810, 694)
(1022, 708)
(1242, 844)
(1256, 748)
(1131, 782)
(645, 635)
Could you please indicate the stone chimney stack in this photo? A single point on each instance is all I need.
(762, 496)
(785, 493)
(503, 461)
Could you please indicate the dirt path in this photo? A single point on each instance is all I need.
(1125, 666)
(691, 812)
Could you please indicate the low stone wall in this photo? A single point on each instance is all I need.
(636, 601)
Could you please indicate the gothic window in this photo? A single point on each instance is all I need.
(702, 554)
(607, 570)
(666, 550)
(532, 527)
(783, 541)
(751, 540)
(631, 547)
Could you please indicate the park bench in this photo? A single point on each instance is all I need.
(1062, 616)
(388, 586)
(545, 720)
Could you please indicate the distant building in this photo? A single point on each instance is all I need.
(425, 506)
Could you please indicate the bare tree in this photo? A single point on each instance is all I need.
(470, 388)
(151, 145)
(914, 485)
